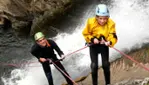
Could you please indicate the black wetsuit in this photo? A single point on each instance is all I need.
(95, 49)
(48, 52)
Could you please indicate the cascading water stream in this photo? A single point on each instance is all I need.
(131, 17)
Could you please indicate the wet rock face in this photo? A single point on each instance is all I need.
(26, 14)
(144, 81)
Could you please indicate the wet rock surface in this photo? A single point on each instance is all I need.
(30, 16)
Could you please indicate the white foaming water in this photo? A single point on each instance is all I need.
(131, 19)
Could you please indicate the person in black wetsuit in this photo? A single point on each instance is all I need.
(43, 49)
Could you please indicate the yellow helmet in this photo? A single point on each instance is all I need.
(39, 35)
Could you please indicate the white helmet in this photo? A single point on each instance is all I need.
(38, 35)
(102, 10)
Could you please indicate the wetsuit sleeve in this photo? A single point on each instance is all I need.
(35, 52)
(56, 47)
(112, 37)
(86, 32)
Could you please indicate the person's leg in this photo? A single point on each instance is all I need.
(48, 73)
(94, 65)
(106, 63)
(63, 69)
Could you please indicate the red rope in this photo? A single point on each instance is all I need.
(77, 50)
(129, 57)
(63, 72)
(74, 52)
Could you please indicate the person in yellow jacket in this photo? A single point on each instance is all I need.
(100, 32)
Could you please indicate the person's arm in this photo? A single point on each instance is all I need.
(87, 33)
(112, 37)
(35, 52)
(56, 47)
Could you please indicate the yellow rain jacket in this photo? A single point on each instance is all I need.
(93, 29)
